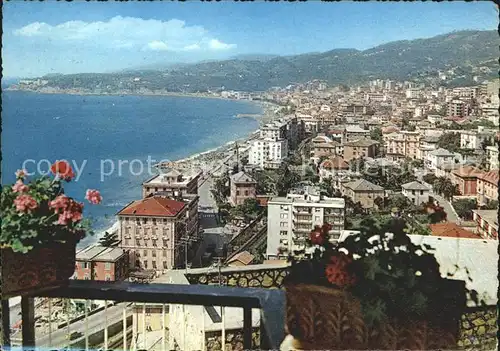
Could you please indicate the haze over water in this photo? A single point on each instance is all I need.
(95, 128)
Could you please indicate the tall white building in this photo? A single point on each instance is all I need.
(271, 148)
(291, 219)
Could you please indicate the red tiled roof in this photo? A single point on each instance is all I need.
(452, 230)
(336, 162)
(490, 177)
(467, 171)
(155, 206)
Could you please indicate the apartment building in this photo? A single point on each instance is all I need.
(427, 144)
(243, 187)
(457, 108)
(413, 93)
(156, 228)
(354, 132)
(404, 143)
(486, 223)
(360, 148)
(101, 263)
(292, 218)
(473, 139)
(268, 153)
(171, 181)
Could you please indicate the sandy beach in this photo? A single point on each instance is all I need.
(211, 161)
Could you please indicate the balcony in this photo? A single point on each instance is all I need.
(82, 334)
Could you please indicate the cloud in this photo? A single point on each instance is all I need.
(126, 33)
(215, 44)
(157, 45)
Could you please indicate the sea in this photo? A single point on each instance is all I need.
(108, 139)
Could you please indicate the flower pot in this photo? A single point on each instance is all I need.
(321, 317)
(43, 267)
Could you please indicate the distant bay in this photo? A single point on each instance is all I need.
(93, 128)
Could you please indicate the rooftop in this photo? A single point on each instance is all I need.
(156, 206)
(242, 177)
(415, 186)
(467, 171)
(449, 229)
(89, 253)
(111, 254)
(363, 185)
(364, 142)
(490, 177)
(442, 153)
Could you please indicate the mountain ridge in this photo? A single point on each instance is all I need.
(399, 60)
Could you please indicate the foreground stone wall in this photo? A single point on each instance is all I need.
(478, 330)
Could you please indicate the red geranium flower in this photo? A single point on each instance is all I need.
(62, 169)
(337, 271)
(316, 237)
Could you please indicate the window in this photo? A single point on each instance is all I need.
(413, 192)
(145, 253)
(284, 215)
(165, 243)
(86, 277)
(237, 192)
(154, 221)
(164, 253)
(107, 278)
(83, 265)
(283, 233)
(164, 264)
(317, 210)
(283, 224)
(137, 242)
(246, 192)
(153, 253)
(145, 264)
(154, 242)
(154, 264)
(107, 266)
(144, 220)
(317, 218)
(421, 192)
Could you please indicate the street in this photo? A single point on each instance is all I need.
(95, 324)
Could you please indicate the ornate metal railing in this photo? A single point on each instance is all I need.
(270, 302)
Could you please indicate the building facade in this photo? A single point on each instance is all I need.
(416, 192)
(292, 218)
(156, 229)
(171, 181)
(360, 148)
(101, 263)
(363, 191)
(486, 223)
(242, 187)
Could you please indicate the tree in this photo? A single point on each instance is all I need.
(249, 210)
(449, 141)
(221, 188)
(464, 208)
(286, 179)
(109, 240)
(429, 178)
(311, 176)
(376, 134)
(326, 187)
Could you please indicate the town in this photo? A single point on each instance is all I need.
(353, 157)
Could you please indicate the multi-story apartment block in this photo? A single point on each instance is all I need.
(292, 218)
(413, 93)
(156, 229)
(101, 263)
(242, 187)
(311, 123)
(171, 181)
(375, 97)
(457, 108)
(360, 148)
(486, 223)
(354, 132)
(268, 153)
(404, 143)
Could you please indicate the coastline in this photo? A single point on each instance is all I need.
(208, 161)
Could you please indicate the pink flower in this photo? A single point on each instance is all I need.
(20, 187)
(21, 174)
(93, 196)
(25, 203)
(68, 209)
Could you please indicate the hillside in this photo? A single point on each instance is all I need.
(470, 53)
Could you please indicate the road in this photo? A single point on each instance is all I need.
(451, 216)
(95, 324)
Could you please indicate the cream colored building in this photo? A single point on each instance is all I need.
(404, 143)
(492, 152)
(154, 229)
(292, 218)
(171, 181)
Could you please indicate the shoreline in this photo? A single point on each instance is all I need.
(208, 161)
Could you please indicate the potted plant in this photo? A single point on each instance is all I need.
(371, 292)
(40, 229)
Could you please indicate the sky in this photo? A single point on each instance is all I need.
(76, 37)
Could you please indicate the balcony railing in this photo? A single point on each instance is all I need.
(270, 302)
